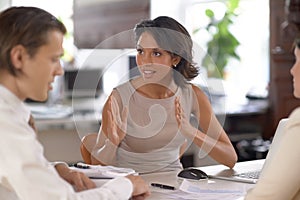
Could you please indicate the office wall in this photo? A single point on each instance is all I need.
(4, 4)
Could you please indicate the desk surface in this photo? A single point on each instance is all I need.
(210, 189)
(85, 107)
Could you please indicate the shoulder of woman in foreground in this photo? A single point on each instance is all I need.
(295, 112)
(294, 118)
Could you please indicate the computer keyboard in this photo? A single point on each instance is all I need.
(252, 174)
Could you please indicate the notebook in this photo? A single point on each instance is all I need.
(251, 176)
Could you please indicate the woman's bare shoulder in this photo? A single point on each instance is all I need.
(198, 91)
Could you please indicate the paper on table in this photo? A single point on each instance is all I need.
(207, 190)
(181, 195)
(98, 171)
(211, 191)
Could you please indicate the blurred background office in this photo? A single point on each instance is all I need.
(250, 27)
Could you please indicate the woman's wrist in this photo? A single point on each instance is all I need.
(190, 132)
(105, 154)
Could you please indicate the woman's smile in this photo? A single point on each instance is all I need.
(148, 73)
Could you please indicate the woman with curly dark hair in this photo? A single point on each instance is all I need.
(146, 121)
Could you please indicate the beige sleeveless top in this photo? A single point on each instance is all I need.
(153, 141)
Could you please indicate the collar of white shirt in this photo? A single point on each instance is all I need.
(10, 100)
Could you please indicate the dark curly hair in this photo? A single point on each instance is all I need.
(171, 36)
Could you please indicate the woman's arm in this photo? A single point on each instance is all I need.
(104, 151)
(212, 138)
(112, 131)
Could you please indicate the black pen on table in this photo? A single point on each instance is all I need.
(159, 185)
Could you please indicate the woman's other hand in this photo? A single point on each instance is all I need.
(183, 122)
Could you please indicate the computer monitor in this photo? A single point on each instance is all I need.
(133, 69)
(83, 83)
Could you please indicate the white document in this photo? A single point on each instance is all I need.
(206, 190)
(104, 172)
(209, 190)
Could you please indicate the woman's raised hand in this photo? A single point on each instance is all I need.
(117, 122)
(183, 122)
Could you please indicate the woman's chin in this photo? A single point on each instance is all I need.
(297, 94)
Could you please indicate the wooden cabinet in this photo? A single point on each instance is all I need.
(284, 26)
(107, 24)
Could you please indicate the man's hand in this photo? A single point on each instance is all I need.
(140, 188)
(77, 179)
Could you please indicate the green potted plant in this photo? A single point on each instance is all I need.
(223, 43)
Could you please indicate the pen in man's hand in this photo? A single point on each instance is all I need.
(81, 165)
(159, 185)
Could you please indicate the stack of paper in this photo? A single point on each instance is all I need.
(103, 172)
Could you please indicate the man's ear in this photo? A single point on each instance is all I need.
(17, 55)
